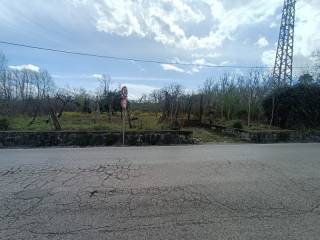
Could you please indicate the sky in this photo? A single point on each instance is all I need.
(215, 32)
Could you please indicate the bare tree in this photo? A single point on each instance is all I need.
(105, 82)
(7, 84)
(63, 98)
(106, 93)
(97, 109)
(201, 109)
(316, 67)
(189, 106)
(171, 101)
(4, 85)
(53, 115)
(251, 91)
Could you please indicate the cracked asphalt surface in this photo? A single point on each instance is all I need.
(177, 192)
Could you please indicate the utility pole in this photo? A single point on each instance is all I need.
(282, 73)
(124, 103)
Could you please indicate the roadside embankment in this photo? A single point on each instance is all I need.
(92, 138)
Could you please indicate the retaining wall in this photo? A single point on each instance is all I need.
(90, 138)
(271, 136)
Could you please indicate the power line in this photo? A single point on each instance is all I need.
(131, 59)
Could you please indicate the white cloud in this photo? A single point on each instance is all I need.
(168, 22)
(225, 63)
(135, 91)
(196, 69)
(170, 67)
(29, 67)
(307, 37)
(158, 19)
(188, 70)
(206, 55)
(274, 25)
(213, 30)
(149, 79)
(268, 57)
(262, 42)
(200, 61)
(98, 76)
(165, 21)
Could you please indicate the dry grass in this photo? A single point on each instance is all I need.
(207, 136)
(86, 121)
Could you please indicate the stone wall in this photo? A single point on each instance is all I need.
(283, 136)
(271, 136)
(90, 138)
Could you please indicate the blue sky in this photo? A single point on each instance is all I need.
(222, 32)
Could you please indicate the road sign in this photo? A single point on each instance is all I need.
(124, 103)
(124, 97)
(124, 92)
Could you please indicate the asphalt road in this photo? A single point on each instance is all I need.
(179, 192)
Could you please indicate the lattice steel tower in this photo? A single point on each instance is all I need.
(282, 73)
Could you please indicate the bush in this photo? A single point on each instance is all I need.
(238, 125)
(4, 124)
(175, 125)
(296, 107)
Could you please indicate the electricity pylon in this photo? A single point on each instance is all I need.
(282, 73)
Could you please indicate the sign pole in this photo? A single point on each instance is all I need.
(124, 102)
(123, 125)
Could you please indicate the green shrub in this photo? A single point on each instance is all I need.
(4, 124)
(238, 125)
(296, 107)
(175, 125)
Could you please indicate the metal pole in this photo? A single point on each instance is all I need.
(124, 95)
(123, 125)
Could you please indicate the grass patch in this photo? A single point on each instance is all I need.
(86, 121)
(207, 136)
(75, 121)
(21, 123)
(253, 126)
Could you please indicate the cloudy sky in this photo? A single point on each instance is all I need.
(219, 32)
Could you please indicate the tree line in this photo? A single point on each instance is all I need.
(252, 98)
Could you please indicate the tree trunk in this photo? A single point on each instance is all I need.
(189, 112)
(97, 112)
(61, 110)
(35, 113)
(249, 113)
(110, 106)
(55, 120)
(272, 111)
(201, 109)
